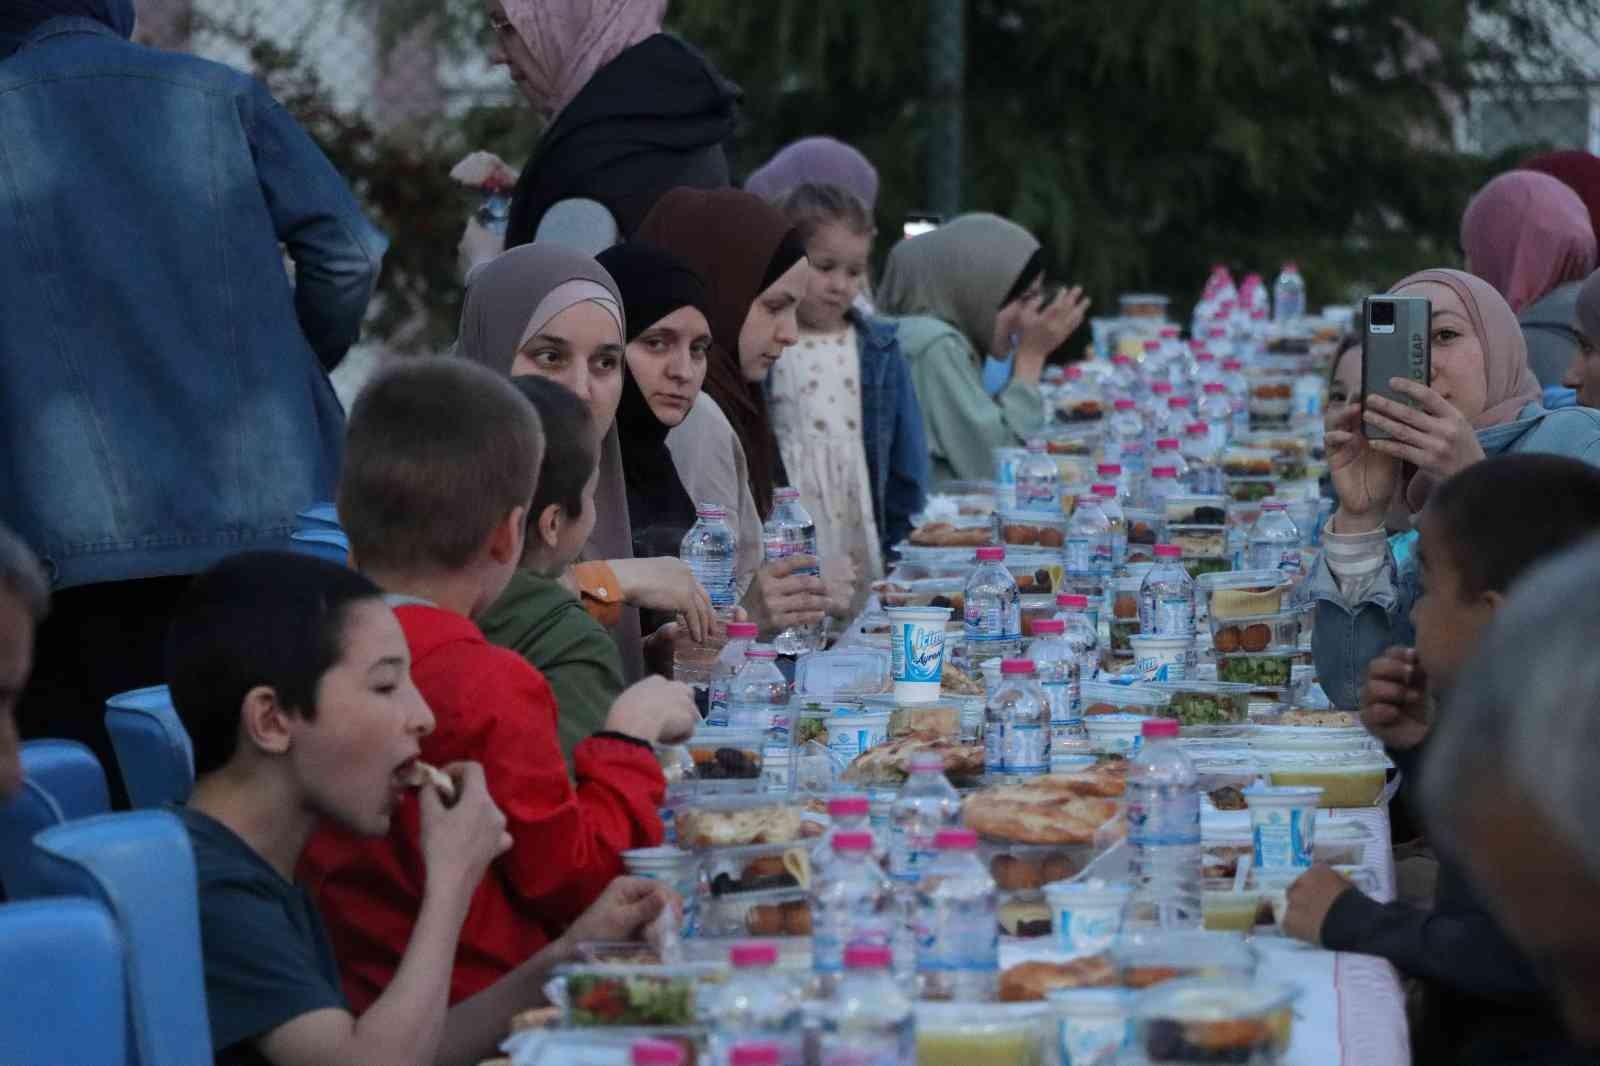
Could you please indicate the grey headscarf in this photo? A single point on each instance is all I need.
(960, 273)
(1589, 309)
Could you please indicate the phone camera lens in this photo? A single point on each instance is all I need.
(1381, 313)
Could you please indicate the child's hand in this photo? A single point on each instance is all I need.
(623, 911)
(1394, 699)
(460, 841)
(655, 710)
(1311, 897)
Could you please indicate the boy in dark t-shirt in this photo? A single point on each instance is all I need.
(292, 677)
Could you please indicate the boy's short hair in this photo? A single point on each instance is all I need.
(257, 618)
(570, 452)
(1499, 517)
(438, 451)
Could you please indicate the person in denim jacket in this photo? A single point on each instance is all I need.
(164, 398)
(1483, 401)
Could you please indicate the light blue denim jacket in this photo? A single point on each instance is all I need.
(163, 398)
(1347, 636)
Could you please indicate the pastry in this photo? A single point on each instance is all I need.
(1328, 719)
(940, 719)
(706, 828)
(1029, 982)
(1245, 603)
(1054, 809)
(422, 774)
(1256, 637)
(890, 763)
(946, 535)
(1024, 917)
(1228, 798)
(955, 682)
(796, 918)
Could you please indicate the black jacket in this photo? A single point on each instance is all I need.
(651, 120)
(1485, 1003)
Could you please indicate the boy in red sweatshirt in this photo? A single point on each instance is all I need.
(440, 464)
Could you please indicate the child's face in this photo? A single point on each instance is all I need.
(838, 271)
(370, 718)
(1448, 624)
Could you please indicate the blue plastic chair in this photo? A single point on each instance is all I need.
(330, 544)
(318, 516)
(141, 866)
(65, 1000)
(62, 780)
(153, 748)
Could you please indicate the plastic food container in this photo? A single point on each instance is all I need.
(1227, 911)
(1152, 956)
(916, 651)
(1144, 530)
(1033, 529)
(1124, 614)
(1199, 542)
(1037, 571)
(1271, 669)
(1213, 564)
(1035, 608)
(782, 912)
(1215, 771)
(1086, 916)
(1283, 824)
(727, 759)
(1207, 703)
(1242, 593)
(1025, 869)
(604, 996)
(1143, 305)
(1084, 442)
(1162, 658)
(1334, 739)
(1115, 734)
(1246, 463)
(1346, 780)
(740, 821)
(982, 1034)
(1256, 633)
(827, 675)
(1211, 1020)
(1144, 701)
(1093, 1024)
(1251, 489)
(1191, 510)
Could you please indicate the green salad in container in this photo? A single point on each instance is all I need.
(1262, 671)
(597, 998)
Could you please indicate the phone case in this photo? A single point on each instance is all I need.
(1403, 350)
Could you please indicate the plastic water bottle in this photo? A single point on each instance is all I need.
(926, 803)
(729, 661)
(790, 531)
(852, 905)
(1217, 343)
(760, 700)
(992, 613)
(1166, 597)
(759, 1004)
(1038, 481)
(1169, 452)
(1060, 672)
(1111, 505)
(1216, 411)
(653, 1052)
(710, 549)
(1163, 807)
(1179, 413)
(1016, 725)
(1305, 414)
(1238, 394)
(1274, 541)
(1080, 632)
(1288, 295)
(1089, 546)
(1164, 484)
(958, 937)
(1125, 444)
(869, 1021)
(1123, 381)
(1205, 475)
(846, 814)
(757, 1053)
(1160, 395)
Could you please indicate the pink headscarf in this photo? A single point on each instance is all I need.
(571, 39)
(1525, 233)
(1509, 384)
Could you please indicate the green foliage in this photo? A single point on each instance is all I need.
(1144, 140)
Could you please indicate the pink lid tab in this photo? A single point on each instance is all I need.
(992, 554)
(1195, 429)
(855, 840)
(1015, 666)
(1232, 364)
(761, 651)
(742, 956)
(1167, 444)
(1046, 627)
(1074, 373)
(1105, 491)
(743, 631)
(867, 957)
(1152, 346)
(1108, 469)
(1214, 387)
(1177, 403)
(1072, 601)
(1161, 388)
(1121, 360)
(849, 806)
(1168, 551)
(955, 839)
(1164, 471)
(1124, 405)
(756, 1053)
(1169, 331)
(1159, 728)
(655, 1053)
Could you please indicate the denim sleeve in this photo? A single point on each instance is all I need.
(1347, 636)
(907, 489)
(336, 252)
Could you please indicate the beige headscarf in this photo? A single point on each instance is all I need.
(509, 299)
(571, 39)
(960, 273)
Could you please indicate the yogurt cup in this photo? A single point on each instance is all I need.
(1115, 734)
(1161, 658)
(916, 651)
(1086, 916)
(1093, 1024)
(851, 734)
(1283, 824)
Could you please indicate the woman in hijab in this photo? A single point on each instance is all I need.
(1578, 171)
(548, 310)
(629, 112)
(977, 337)
(19, 18)
(1583, 374)
(816, 161)
(1482, 401)
(755, 272)
(1530, 236)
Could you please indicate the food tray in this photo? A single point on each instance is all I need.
(1270, 669)
(1250, 593)
(1035, 529)
(1247, 463)
(1346, 780)
(756, 868)
(727, 759)
(1150, 957)
(1202, 565)
(1199, 542)
(1207, 703)
(1022, 870)
(1256, 633)
(841, 673)
(1102, 698)
(1192, 510)
(708, 822)
(1251, 489)
(1210, 1019)
(775, 913)
(602, 996)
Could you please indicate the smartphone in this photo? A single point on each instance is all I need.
(1396, 342)
(919, 222)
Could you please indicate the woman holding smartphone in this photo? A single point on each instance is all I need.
(1482, 400)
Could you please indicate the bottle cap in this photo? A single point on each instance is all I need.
(1169, 331)
(854, 840)
(1121, 360)
(655, 1053)
(1159, 728)
(1164, 471)
(1270, 504)
(1152, 346)
(1205, 357)
(1214, 387)
(992, 554)
(1106, 492)
(1071, 601)
(786, 492)
(761, 651)
(1015, 666)
(1161, 388)
(1074, 373)
(1167, 444)
(747, 955)
(1109, 469)
(756, 1053)
(743, 631)
(868, 957)
(1232, 364)
(1195, 429)
(1124, 405)
(1168, 551)
(956, 839)
(851, 806)
(710, 510)
(1216, 331)
(1049, 627)
(1177, 403)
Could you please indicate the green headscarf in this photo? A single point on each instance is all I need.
(960, 273)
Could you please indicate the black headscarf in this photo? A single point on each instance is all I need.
(653, 283)
(19, 18)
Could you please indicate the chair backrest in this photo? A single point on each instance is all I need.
(61, 780)
(329, 544)
(65, 1000)
(141, 866)
(153, 748)
(318, 516)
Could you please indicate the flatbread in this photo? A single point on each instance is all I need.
(890, 763)
(423, 774)
(1029, 982)
(1053, 809)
